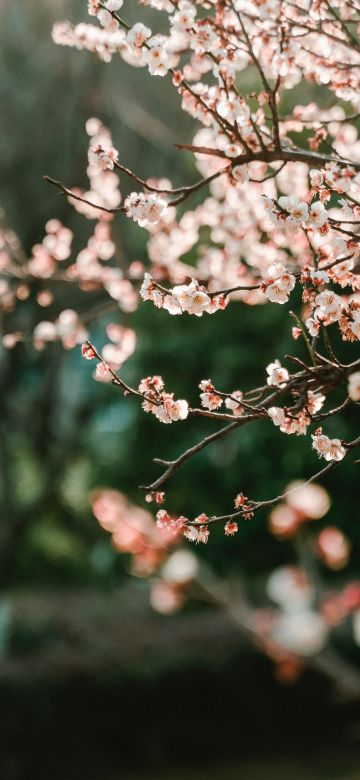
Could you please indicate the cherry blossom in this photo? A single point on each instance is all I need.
(138, 35)
(209, 398)
(231, 528)
(354, 386)
(277, 375)
(330, 449)
(271, 214)
(146, 209)
(279, 284)
(333, 547)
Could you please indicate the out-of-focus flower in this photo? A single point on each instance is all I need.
(354, 386)
(311, 501)
(333, 547)
(166, 598)
(303, 633)
(181, 567)
(290, 587)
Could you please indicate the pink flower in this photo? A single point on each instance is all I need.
(315, 401)
(330, 449)
(234, 403)
(162, 518)
(145, 208)
(198, 303)
(191, 533)
(102, 373)
(333, 547)
(231, 528)
(138, 35)
(354, 386)
(104, 159)
(277, 375)
(87, 352)
(240, 500)
(157, 58)
(210, 400)
(297, 210)
(277, 415)
(318, 215)
(280, 284)
(203, 518)
(114, 5)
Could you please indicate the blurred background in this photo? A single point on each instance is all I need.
(95, 680)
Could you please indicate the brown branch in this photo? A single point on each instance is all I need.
(174, 465)
(73, 195)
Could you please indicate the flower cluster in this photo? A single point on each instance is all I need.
(197, 531)
(291, 421)
(277, 375)
(295, 213)
(277, 206)
(145, 209)
(279, 283)
(191, 298)
(160, 403)
(330, 449)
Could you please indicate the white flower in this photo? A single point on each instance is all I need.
(278, 291)
(315, 401)
(181, 567)
(317, 215)
(105, 18)
(106, 162)
(233, 150)
(204, 39)
(146, 287)
(354, 386)
(45, 331)
(277, 375)
(191, 533)
(103, 159)
(114, 5)
(210, 400)
(267, 203)
(330, 449)
(182, 293)
(145, 208)
(179, 410)
(298, 211)
(313, 326)
(355, 326)
(356, 626)
(138, 35)
(316, 177)
(234, 403)
(290, 588)
(190, 298)
(157, 59)
(329, 306)
(93, 7)
(303, 633)
(234, 109)
(277, 415)
(199, 301)
(171, 411)
(184, 17)
(172, 305)
(240, 172)
(319, 277)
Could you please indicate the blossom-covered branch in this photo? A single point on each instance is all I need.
(276, 215)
